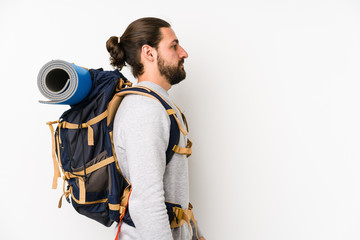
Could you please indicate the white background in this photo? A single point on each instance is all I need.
(272, 99)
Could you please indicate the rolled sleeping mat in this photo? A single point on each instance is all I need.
(63, 83)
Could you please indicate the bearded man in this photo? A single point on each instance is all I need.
(142, 131)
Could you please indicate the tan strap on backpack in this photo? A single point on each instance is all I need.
(183, 216)
(87, 125)
(185, 151)
(57, 173)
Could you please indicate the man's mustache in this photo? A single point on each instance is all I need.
(182, 61)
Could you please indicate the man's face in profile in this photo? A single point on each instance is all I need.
(171, 57)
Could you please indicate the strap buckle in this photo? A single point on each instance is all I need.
(178, 214)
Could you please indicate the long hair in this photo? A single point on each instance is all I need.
(127, 50)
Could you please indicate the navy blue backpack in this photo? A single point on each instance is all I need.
(84, 151)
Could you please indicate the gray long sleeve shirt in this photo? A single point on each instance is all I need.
(141, 136)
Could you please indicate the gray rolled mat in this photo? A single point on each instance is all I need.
(63, 83)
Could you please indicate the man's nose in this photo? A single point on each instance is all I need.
(183, 53)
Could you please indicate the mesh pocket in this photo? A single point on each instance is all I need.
(96, 181)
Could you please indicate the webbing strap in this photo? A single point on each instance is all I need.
(88, 124)
(79, 174)
(180, 126)
(122, 84)
(104, 200)
(172, 112)
(185, 151)
(92, 168)
(121, 207)
(193, 220)
(82, 190)
(120, 94)
(125, 197)
(57, 173)
(65, 194)
(184, 216)
(184, 118)
(117, 207)
(124, 202)
(113, 150)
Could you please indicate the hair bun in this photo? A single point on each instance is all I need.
(117, 54)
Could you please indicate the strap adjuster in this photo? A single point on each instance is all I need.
(178, 212)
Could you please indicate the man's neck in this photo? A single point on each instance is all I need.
(155, 78)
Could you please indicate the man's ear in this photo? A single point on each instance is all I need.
(148, 52)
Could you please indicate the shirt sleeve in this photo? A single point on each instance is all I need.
(146, 137)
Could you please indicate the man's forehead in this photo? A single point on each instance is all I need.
(168, 35)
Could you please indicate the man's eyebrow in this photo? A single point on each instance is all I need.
(175, 41)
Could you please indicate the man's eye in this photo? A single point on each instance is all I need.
(174, 46)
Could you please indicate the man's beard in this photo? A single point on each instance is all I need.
(174, 74)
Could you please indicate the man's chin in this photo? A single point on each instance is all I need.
(177, 80)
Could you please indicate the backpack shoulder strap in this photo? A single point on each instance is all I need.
(175, 125)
